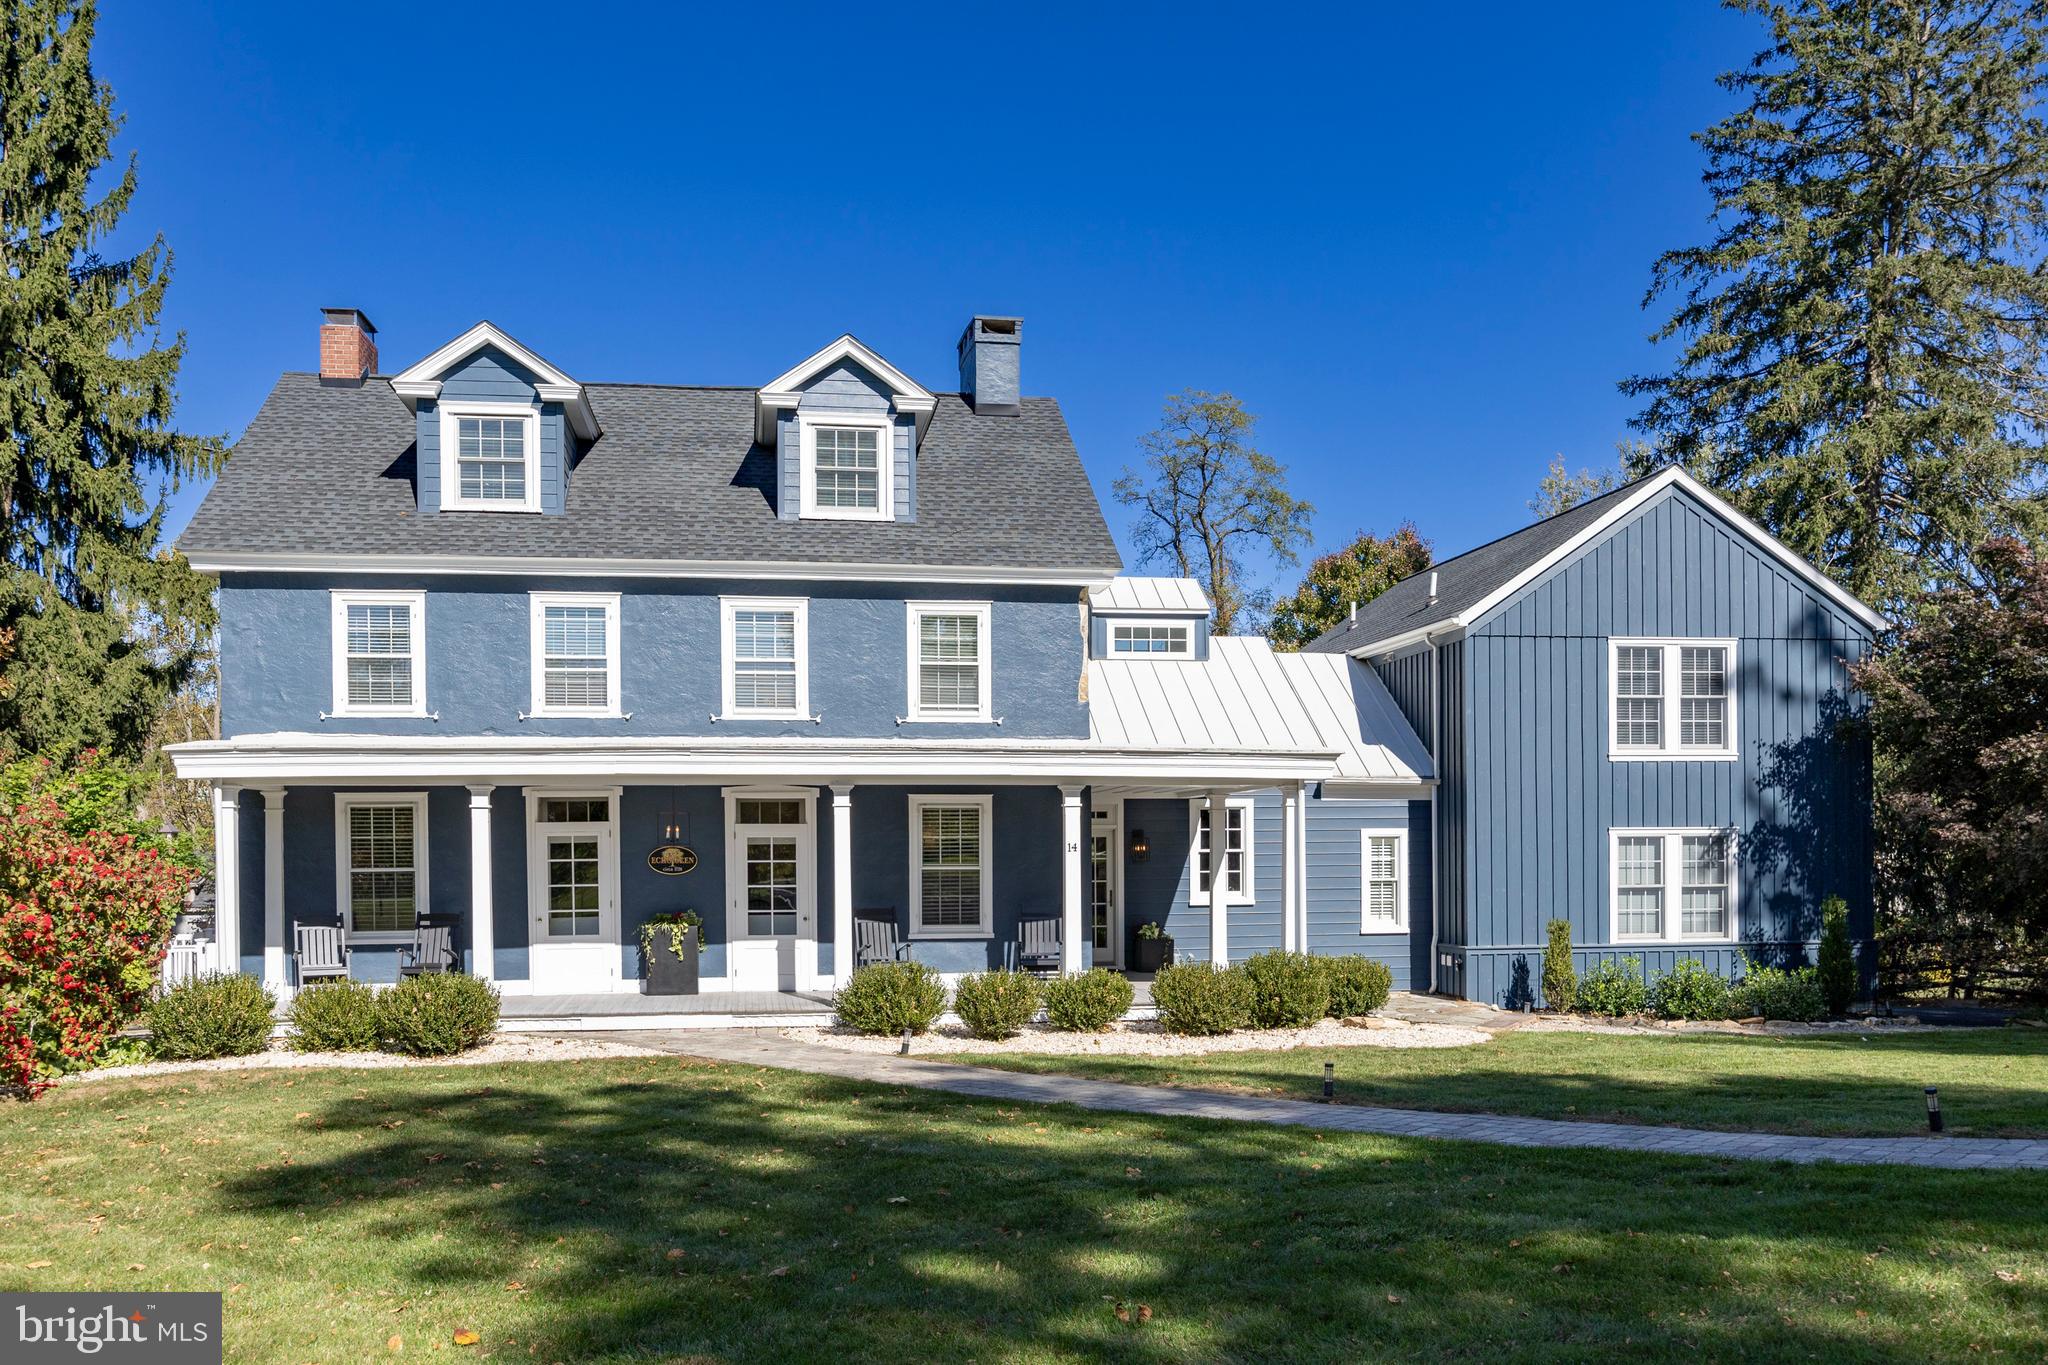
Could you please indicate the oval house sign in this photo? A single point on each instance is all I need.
(672, 860)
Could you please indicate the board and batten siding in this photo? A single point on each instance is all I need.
(490, 376)
(1336, 883)
(1539, 793)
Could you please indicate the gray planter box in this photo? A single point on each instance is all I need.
(663, 973)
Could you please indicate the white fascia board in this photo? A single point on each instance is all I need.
(785, 390)
(423, 379)
(240, 561)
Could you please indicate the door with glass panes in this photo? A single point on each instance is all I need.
(771, 909)
(1105, 892)
(575, 914)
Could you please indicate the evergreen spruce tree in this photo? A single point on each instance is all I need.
(87, 388)
(1863, 338)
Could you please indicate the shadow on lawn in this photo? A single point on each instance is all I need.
(819, 1218)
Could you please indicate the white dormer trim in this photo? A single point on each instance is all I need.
(423, 380)
(785, 391)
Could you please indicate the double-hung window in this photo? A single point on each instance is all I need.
(1673, 885)
(575, 654)
(381, 856)
(949, 661)
(1173, 642)
(1237, 852)
(1383, 881)
(490, 457)
(766, 668)
(950, 840)
(847, 470)
(1671, 698)
(380, 653)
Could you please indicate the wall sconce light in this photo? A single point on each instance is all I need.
(1140, 850)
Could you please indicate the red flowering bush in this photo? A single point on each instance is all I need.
(83, 921)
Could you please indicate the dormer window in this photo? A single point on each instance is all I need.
(489, 458)
(1172, 642)
(847, 466)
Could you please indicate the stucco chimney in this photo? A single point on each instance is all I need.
(348, 346)
(989, 374)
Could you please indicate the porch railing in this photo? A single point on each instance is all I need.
(186, 962)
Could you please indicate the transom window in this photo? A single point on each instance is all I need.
(949, 866)
(575, 644)
(575, 810)
(1168, 640)
(847, 467)
(379, 654)
(766, 643)
(949, 651)
(1674, 886)
(382, 863)
(1672, 698)
(490, 458)
(1237, 852)
(774, 810)
(1383, 882)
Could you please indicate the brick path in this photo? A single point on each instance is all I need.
(765, 1047)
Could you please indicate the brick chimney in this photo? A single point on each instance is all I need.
(989, 370)
(348, 346)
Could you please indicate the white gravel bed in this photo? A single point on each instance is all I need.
(1144, 1037)
(504, 1047)
(1669, 1028)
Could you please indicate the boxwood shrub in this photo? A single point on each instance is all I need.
(1614, 988)
(437, 1014)
(213, 1016)
(1196, 998)
(335, 1016)
(996, 1004)
(1288, 989)
(889, 997)
(1358, 985)
(1690, 991)
(1778, 994)
(1088, 1003)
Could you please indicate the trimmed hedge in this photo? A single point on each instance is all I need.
(1614, 988)
(1195, 998)
(889, 997)
(1088, 1003)
(1690, 991)
(1288, 989)
(996, 1004)
(1776, 994)
(436, 1014)
(214, 1016)
(335, 1016)
(1357, 985)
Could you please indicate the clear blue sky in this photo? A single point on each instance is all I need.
(1413, 239)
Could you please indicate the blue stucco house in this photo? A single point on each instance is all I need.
(495, 642)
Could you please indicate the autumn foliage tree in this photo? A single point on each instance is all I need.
(1359, 572)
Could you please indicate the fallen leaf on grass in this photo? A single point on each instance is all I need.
(40, 1265)
(899, 1199)
(395, 1343)
(1393, 1298)
(465, 1337)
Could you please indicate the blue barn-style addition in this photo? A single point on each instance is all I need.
(491, 635)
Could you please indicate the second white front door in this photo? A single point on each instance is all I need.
(575, 902)
(1105, 894)
(771, 882)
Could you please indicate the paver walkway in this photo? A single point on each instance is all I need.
(765, 1047)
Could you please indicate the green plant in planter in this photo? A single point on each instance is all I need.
(1151, 929)
(666, 930)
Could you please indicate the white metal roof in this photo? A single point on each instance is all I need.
(1236, 700)
(1127, 594)
(1352, 709)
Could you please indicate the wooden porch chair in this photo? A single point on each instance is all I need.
(432, 950)
(875, 938)
(1038, 945)
(318, 950)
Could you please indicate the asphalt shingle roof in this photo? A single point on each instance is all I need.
(675, 475)
(1462, 581)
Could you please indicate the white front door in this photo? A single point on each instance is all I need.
(1105, 893)
(575, 904)
(771, 883)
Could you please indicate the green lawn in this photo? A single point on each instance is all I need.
(663, 1208)
(1994, 1082)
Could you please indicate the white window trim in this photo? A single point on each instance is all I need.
(1674, 875)
(537, 615)
(343, 801)
(986, 928)
(341, 600)
(1366, 923)
(1247, 892)
(728, 611)
(885, 465)
(450, 413)
(1185, 651)
(917, 712)
(1671, 748)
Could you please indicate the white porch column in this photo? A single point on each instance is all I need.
(483, 933)
(1070, 880)
(227, 877)
(273, 890)
(1300, 907)
(1219, 880)
(1291, 937)
(842, 882)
